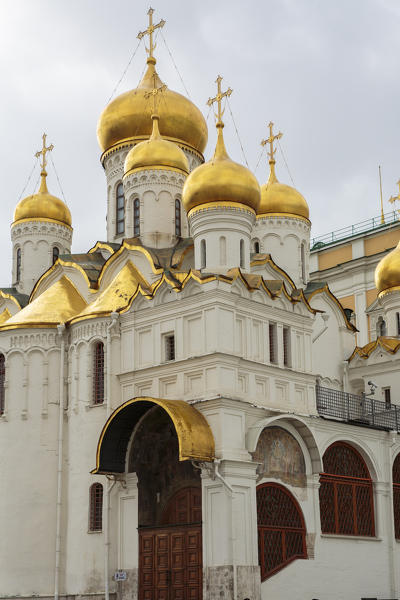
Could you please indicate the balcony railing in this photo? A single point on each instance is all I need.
(357, 410)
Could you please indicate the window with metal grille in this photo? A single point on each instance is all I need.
(2, 383)
(273, 350)
(386, 395)
(178, 222)
(98, 373)
(396, 496)
(56, 254)
(96, 507)
(286, 346)
(303, 263)
(242, 254)
(346, 493)
(120, 204)
(169, 347)
(281, 529)
(18, 267)
(136, 217)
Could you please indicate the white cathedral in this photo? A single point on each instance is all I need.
(206, 405)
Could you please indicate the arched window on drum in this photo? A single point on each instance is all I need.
(120, 205)
(346, 493)
(281, 529)
(396, 496)
(98, 373)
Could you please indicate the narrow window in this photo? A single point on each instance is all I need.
(169, 347)
(273, 354)
(178, 223)
(18, 273)
(257, 247)
(120, 209)
(98, 373)
(56, 254)
(381, 327)
(286, 346)
(396, 496)
(388, 401)
(242, 254)
(202, 254)
(2, 383)
(222, 250)
(96, 507)
(398, 323)
(136, 217)
(303, 263)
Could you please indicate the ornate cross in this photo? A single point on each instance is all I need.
(154, 92)
(43, 152)
(218, 99)
(393, 199)
(149, 31)
(270, 140)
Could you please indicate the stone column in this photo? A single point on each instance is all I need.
(128, 538)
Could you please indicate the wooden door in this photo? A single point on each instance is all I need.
(170, 556)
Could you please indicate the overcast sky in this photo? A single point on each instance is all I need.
(325, 71)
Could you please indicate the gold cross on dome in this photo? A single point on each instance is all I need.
(218, 99)
(393, 199)
(154, 92)
(149, 31)
(43, 152)
(270, 140)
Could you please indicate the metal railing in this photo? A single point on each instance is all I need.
(346, 232)
(357, 410)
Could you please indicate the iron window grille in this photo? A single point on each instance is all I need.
(346, 493)
(96, 507)
(281, 529)
(178, 222)
(18, 268)
(136, 217)
(120, 209)
(98, 373)
(169, 347)
(396, 496)
(286, 346)
(2, 383)
(273, 350)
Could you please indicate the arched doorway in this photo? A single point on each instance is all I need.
(169, 512)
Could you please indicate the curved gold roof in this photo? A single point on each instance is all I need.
(4, 316)
(221, 180)
(196, 441)
(278, 198)
(390, 344)
(127, 117)
(155, 153)
(387, 272)
(56, 305)
(42, 205)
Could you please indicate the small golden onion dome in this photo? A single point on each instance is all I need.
(387, 272)
(221, 180)
(42, 205)
(155, 153)
(127, 116)
(278, 198)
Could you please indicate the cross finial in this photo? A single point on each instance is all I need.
(218, 100)
(149, 31)
(393, 199)
(154, 92)
(43, 153)
(270, 140)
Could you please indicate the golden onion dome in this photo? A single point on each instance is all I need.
(278, 198)
(42, 205)
(221, 180)
(155, 153)
(387, 272)
(126, 118)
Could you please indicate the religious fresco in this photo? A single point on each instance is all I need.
(280, 457)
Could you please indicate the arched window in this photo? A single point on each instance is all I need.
(257, 247)
(96, 507)
(203, 254)
(98, 373)
(222, 250)
(56, 253)
(346, 494)
(178, 223)
(120, 204)
(241, 253)
(2, 383)
(281, 529)
(396, 496)
(381, 327)
(18, 266)
(303, 263)
(136, 217)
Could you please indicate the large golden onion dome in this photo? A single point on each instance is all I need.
(156, 153)
(42, 205)
(387, 272)
(127, 118)
(278, 198)
(221, 180)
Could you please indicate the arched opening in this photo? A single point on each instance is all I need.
(203, 255)
(303, 263)
(381, 327)
(281, 529)
(56, 253)
(346, 493)
(256, 247)
(222, 250)
(241, 254)
(136, 217)
(18, 266)
(396, 496)
(120, 205)
(98, 373)
(178, 221)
